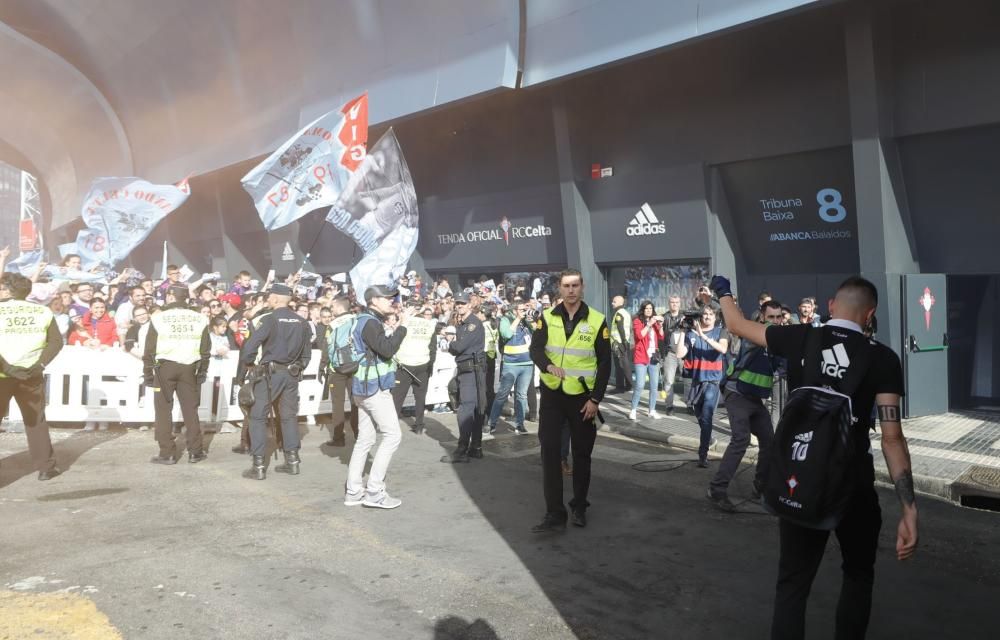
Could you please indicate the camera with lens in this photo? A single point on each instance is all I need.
(690, 317)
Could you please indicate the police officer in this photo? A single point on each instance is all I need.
(176, 357)
(29, 340)
(572, 347)
(470, 361)
(286, 344)
(251, 320)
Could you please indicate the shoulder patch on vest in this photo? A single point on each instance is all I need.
(606, 334)
(472, 328)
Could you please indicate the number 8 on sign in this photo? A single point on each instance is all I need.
(830, 201)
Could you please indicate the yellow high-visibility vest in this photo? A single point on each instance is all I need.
(178, 335)
(24, 328)
(576, 355)
(415, 349)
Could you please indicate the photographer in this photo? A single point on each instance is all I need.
(517, 371)
(703, 351)
(673, 336)
(647, 329)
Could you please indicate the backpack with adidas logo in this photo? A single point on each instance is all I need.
(815, 459)
(342, 348)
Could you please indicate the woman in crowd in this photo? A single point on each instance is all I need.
(98, 328)
(648, 331)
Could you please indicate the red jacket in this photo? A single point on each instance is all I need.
(641, 353)
(105, 330)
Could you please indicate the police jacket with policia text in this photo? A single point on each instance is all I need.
(377, 369)
(586, 333)
(29, 339)
(179, 335)
(284, 336)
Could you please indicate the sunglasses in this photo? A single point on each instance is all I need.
(214, 304)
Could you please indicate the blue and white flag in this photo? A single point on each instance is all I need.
(120, 213)
(312, 168)
(378, 210)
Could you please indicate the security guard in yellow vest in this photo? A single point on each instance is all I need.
(29, 340)
(415, 364)
(572, 348)
(176, 359)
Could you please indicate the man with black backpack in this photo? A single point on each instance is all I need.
(820, 471)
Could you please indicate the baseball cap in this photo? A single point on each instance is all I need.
(232, 298)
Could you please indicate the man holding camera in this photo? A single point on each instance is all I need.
(673, 336)
(518, 370)
(285, 340)
(703, 350)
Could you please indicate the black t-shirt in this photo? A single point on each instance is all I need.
(884, 375)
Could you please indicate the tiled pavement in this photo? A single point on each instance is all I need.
(953, 454)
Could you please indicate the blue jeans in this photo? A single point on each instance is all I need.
(516, 377)
(704, 408)
(641, 371)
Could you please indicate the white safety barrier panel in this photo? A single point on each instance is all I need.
(106, 386)
(437, 386)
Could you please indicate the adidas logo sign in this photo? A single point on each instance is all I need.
(835, 361)
(805, 437)
(645, 223)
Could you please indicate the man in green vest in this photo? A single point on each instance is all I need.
(178, 348)
(746, 386)
(29, 340)
(572, 348)
(339, 383)
(416, 361)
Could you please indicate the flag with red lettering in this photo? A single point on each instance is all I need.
(120, 213)
(312, 168)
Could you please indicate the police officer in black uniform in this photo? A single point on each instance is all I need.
(470, 359)
(29, 340)
(285, 341)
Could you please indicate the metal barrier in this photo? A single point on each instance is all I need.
(106, 386)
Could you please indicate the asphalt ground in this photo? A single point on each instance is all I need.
(118, 547)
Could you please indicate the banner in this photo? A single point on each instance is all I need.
(378, 210)
(120, 213)
(311, 169)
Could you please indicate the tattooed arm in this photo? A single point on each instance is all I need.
(897, 458)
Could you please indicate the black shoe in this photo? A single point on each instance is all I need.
(197, 457)
(578, 517)
(721, 502)
(48, 475)
(550, 524)
(460, 454)
(669, 411)
(163, 460)
(476, 452)
(703, 463)
(521, 430)
(257, 470)
(241, 449)
(291, 466)
(417, 429)
(336, 442)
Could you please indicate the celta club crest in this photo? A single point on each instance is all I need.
(312, 193)
(792, 483)
(927, 301)
(505, 225)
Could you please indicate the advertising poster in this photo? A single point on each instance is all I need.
(658, 283)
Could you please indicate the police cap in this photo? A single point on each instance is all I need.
(280, 290)
(462, 297)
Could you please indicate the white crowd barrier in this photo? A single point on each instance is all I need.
(106, 386)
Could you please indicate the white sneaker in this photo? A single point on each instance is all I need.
(653, 415)
(631, 415)
(383, 501)
(353, 499)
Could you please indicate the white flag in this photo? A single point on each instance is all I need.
(120, 213)
(378, 210)
(310, 170)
